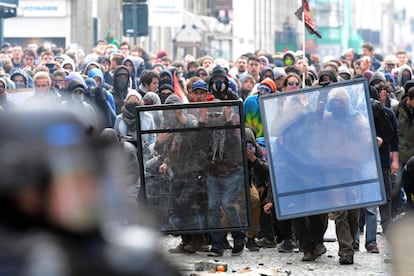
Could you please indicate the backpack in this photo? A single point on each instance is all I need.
(383, 125)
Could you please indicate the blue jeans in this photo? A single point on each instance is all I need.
(370, 227)
(224, 192)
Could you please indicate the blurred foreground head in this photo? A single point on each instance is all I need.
(401, 238)
(60, 181)
(52, 171)
(55, 172)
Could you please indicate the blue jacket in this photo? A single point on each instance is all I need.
(95, 72)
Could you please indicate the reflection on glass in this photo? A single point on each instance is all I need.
(319, 141)
(195, 175)
(333, 199)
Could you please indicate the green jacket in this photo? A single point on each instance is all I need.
(406, 132)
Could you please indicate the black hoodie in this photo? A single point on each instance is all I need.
(120, 87)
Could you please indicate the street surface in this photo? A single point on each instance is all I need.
(271, 262)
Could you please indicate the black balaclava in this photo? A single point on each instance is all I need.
(218, 87)
(405, 76)
(166, 77)
(121, 80)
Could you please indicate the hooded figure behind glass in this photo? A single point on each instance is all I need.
(346, 158)
(55, 217)
(177, 154)
(78, 103)
(225, 180)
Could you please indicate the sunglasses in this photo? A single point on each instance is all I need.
(292, 83)
(264, 89)
(214, 114)
(201, 74)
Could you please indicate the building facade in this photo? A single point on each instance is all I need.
(225, 28)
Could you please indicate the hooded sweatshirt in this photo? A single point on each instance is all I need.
(400, 78)
(138, 65)
(263, 72)
(69, 61)
(28, 81)
(95, 72)
(165, 74)
(152, 98)
(120, 87)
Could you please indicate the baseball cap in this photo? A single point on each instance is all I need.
(199, 85)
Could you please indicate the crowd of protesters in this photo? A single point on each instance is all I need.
(110, 82)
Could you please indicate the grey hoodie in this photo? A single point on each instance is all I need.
(401, 69)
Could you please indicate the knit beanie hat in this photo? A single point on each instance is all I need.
(173, 99)
(270, 83)
(151, 98)
(377, 76)
(344, 70)
(218, 71)
(75, 84)
(328, 72)
(131, 93)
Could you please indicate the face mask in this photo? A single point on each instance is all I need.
(264, 89)
(338, 110)
(164, 81)
(219, 86)
(388, 68)
(130, 107)
(288, 61)
(163, 96)
(20, 85)
(404, 79)
(191, 74)
(122, 83)
(77, 97)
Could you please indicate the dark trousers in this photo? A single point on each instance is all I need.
(310, 231)
(266, 220)
(284, 229)
(217, 239)
(346, 226)
(270, 226)
(385, 209)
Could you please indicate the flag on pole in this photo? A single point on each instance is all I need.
(309, 24)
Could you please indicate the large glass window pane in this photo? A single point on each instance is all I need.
(322, 149)
(195, 175)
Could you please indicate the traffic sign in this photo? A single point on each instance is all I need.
(135, 20)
